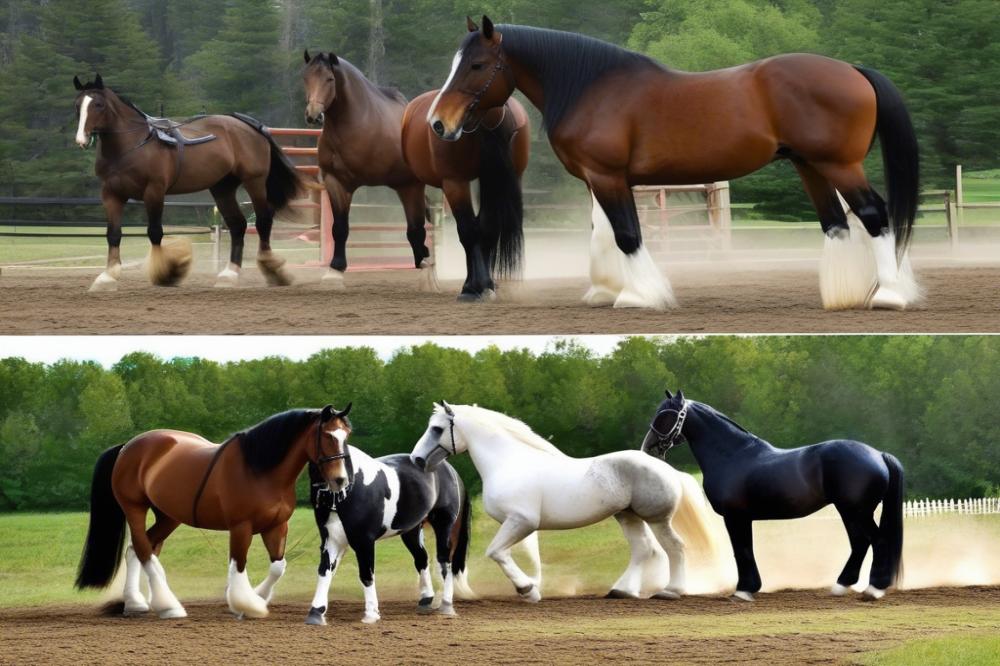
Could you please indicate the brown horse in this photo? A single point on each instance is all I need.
(360, 146)
(245, 486)
(494, 148)
(146, 158)
(617, 119)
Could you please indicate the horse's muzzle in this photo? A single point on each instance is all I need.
(315, 120)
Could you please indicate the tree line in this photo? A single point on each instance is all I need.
(193, 56)
(929, 400)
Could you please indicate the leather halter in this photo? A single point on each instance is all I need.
(477, 97)
(325, 460)
(667, 440)
(451, 429)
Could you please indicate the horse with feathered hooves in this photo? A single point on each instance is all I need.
(385, 497)
(616, 118)
(530, 485)
(246, 485)
(144, 158)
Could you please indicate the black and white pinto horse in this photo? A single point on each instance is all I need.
(748, 479)
(384, 497)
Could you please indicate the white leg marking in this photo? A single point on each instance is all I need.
(135, 602)
(606, 275)
(872, 593)
(889, 295)
(242, 599)
(81, 135)
(839, 590)
(846, 271)
(371, 605)
(739, 595)
(229, 277)
(426, 583)
(448, 593)
(274, 573)
(645, 286)
(163, 601)
(334, 279)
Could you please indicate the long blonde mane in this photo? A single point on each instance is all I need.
(496, 421)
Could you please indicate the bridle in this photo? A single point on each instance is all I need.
(477, 97)
(325, 460)
(667, 440)
(451, 430)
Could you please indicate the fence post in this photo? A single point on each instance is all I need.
(959, 196)
(950, 220)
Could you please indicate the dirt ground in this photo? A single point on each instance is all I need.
(960, 299)
(785, 627)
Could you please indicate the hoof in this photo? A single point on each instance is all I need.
(172, 613)
(315, 617)
(228, 278)
(469, 297)
(740, 595)
(531, 594)
(620, 594)
(887, 299)
(631, 299)
(104, 282)
(669, 595)
(371, 618)
(839, 590)
(597, 297)
(872, 593)
(424, 606)
(447, 610)
(334, 279)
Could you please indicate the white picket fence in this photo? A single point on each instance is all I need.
(932, 507)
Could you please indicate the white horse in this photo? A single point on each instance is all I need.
(530, 485)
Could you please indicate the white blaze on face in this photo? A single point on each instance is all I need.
(340, 435)
(81, 135)
(454, 68)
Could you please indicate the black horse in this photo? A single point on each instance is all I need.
(385, 497)
(747, 479)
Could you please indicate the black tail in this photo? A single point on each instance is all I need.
(891, 525)
(102, 552)
(501, 209)
(900, 156)
(284, 182)
(460, 556)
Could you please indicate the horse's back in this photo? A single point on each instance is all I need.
(160, 459)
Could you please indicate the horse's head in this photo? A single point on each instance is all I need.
(92, 108)
(439, 441)
(667, 425)
(320, 79)
(331, 454)
(480, 79)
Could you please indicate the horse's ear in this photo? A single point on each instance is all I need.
(346, 411)
(680, 395)
(76, 83)
(334, 60)
(326, 414)
(447, 409)
(306, 56)
(99, 82)
(470, 24)
(667, 392)
(487, 27)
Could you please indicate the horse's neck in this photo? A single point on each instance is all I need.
(289, 469)
(128, 130)
(355, 98)
(526, 80)
(492, 449)
(714, 439)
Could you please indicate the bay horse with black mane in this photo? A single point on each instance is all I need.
(245, 485)
(494, 149)
(360, 146)
(617, 119)
(747, 479)
(144, 158)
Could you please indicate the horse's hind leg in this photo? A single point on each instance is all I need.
(224, 194)
(162, 599)
(365, 552)
(414, 542)
(897, 287)
(643, 554)
(860, 541)
(270, 264)
(274, 541)
(513, 530)
(846, 270)
(331, 550)
(674, 547)
(169, 261)
(529, 545)
(113, 208)
(642, 283)
(417, 211)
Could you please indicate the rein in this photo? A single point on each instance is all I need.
(204, 481)
(477, 97)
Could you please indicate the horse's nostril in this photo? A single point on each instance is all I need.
(340, 481)
(421, 463)
(438, 127)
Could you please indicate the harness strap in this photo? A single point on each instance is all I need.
(204, 480)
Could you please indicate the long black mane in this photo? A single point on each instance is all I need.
(266, 444)
(566, 63)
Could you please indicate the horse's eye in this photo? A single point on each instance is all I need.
(476, 66)
(437, 430)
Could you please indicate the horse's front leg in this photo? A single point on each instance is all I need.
(365, 552)
(242, 599)
(114, 205)
(331, 550)
(478, 283)
(169, 262)
(513, 530)
(340, 202)
(741, 536)
(274, 540)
